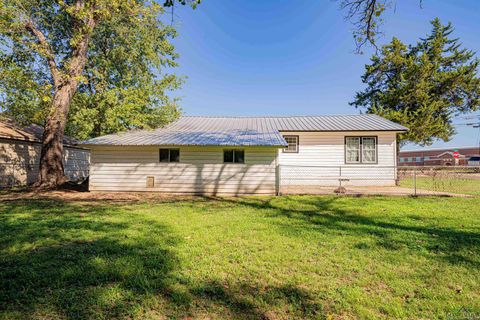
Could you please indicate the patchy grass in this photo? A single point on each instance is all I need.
(445, 184)
(258, 258)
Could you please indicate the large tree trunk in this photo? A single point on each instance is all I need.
(51, 172)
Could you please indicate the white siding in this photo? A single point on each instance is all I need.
(19, 162)
(321, 161)
(200, 171)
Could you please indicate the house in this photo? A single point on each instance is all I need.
(437, 157)
(247, 155)
(20, 149)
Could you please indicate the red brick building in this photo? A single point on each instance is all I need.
(437, 157)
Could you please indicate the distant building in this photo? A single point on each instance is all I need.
(437, 157)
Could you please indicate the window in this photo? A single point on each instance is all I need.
(418, 159)
(292, 144)
(169, 155)
(402, 159)
(233, 156)
(361, 150)
(426, 158)
(369, 150)
(353, 149)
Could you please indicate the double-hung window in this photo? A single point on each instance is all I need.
(233, 156)
(292, 142)
(361, 150)
(169, 155)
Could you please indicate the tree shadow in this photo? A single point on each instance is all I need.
(327, 215)
(61, 259)
(247, 301)
(75, 262)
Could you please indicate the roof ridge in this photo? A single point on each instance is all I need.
(281, 116)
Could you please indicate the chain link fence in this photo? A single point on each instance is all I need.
(376, 179)
(460, 180)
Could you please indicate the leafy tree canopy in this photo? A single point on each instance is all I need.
(123, 84)
(422, 86)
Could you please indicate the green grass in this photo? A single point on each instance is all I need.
(257, 258)
(445, 184)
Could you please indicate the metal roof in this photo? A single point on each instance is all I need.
(243, 131)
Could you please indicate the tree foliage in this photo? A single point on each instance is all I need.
(113, 51)
(123, 84)
(422, 86)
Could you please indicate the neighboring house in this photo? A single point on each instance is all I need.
(20, 149)
(437, 157)
(247, 155)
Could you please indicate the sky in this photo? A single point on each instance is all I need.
(283, 57)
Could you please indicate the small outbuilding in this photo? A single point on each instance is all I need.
(247, 155)
(20, 149)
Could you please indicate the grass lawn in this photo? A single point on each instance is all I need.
(445, 184)
(258, 258)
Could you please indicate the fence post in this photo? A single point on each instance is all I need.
(340, 175)
(278, 179)
(415, 181)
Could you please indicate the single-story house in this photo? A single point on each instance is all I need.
(20, 149)
(247, 155)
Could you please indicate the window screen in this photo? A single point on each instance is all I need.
(292, 144)
(164, 155)
(174, 155)
(361, 150)
(234, 156)
(369, 152)
(352, 149)
(169, 155)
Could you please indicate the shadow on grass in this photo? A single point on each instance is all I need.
(90, 260)
(326, 214)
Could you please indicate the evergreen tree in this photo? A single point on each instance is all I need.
(422, 86)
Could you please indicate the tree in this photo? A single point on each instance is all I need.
(367, 18)
(422, 86)
(125, 83)
(44, 51)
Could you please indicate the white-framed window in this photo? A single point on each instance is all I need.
(234, 156)
(369, 149)
(169, 155)
(352, 149)
(361, 149)
(292, 144)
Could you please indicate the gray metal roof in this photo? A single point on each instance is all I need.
(243, 131)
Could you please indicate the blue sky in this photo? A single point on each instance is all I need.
(283, 57)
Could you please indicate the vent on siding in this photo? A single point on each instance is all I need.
(150, 182)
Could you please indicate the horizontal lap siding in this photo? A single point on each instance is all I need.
(321, 161)
(201, 171)
(19, 162)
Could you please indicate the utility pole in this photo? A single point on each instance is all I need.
(474, 124)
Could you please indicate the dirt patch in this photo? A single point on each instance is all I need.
(74, 195)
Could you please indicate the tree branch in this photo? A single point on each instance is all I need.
(78, 57)
(47, 51)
